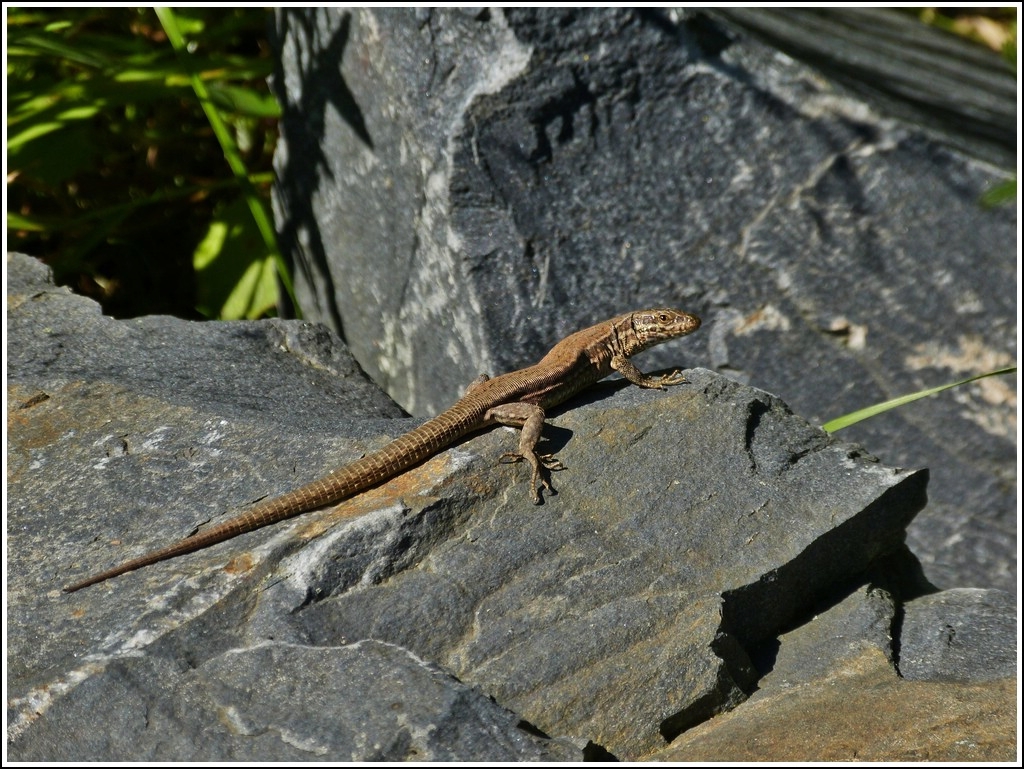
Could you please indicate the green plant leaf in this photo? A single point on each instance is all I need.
(115, 167)
(32, 45)
(33, 132)
(856, 416)
(236, 276)
(26, 223)
(54, 157)
(231, 154)
(1004, 192)
(1010, 48)
(245, 101)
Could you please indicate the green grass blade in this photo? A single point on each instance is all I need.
(1004, 192)
(856, 416)
(220, 129)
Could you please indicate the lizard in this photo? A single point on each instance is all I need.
(516, 399)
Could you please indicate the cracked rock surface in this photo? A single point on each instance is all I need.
(690, 526)
(831, 693)
(456, 184)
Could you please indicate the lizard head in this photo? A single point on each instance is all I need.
(661, 324)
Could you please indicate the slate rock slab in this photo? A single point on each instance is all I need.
(688, 527)
(952, 86)
(114, 447)
(831, 691)
(65, 338)
(696, 524)
(862, 713)
(456, 184)
(279, 702)
(959, 635)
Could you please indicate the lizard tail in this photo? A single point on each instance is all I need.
(178, 548)
(401, 453)
(309, 497)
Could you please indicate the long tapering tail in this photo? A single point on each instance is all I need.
(402, 453)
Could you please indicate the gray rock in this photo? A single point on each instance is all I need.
(957, 89)
(832, 638)
(457, 187)
(959, 635)
(277, 702)
(861, 711)
(66, 340)
(688, 526)
(831, 692)
(104, 422)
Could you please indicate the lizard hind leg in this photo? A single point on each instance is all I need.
(530, 419)
(475, 383)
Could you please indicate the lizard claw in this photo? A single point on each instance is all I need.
(510, 458)
(545, 483)
(676, 377)
(538, 479)
(551, 462)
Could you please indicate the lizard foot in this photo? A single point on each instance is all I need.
(549, 461)
(539, 478)
(668, 380)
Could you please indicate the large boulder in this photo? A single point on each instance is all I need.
(456, 187)
(689, 527)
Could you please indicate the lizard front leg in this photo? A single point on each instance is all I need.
(625, 367)
(530, 419)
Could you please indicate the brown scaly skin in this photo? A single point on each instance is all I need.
(517, 399)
